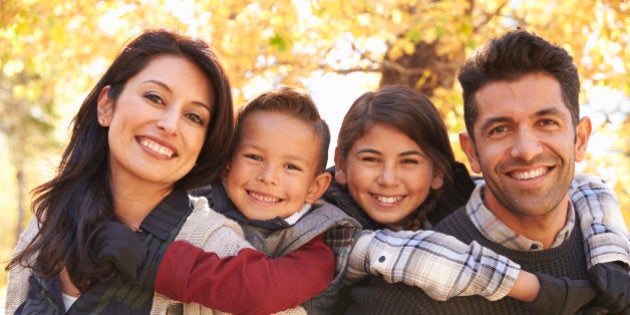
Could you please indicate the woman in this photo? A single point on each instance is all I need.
(159, 122)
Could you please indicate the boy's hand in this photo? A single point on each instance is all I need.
(612, 281)
(561, 295)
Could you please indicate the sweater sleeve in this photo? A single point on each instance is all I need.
(248, 283)
(605, 233)
(439, 264)
(17, 286)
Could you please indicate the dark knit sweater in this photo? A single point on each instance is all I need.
(375, 296)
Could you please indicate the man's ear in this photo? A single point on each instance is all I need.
(318, 187)
(582, 134)
(468, 146)
(104, 107)
(340, 168)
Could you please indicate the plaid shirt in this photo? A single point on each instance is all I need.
(445, 267)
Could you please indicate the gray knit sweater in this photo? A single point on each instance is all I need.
(375, 296)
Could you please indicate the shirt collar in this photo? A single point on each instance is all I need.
(498, 232)
(167, 214)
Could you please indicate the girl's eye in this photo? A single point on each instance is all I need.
(369, 159)
(154, 98)
(410, 161)
(195, 118)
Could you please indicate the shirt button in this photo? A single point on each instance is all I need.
(534, 246)
(381, 259)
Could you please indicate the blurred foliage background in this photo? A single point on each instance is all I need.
(51, 52)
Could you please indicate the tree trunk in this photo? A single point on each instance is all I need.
(20, 198)
(424, 70)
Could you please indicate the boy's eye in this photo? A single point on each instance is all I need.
(293, 167)
(195, 118)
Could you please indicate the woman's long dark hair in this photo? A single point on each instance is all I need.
(412, 113)
(76, 202)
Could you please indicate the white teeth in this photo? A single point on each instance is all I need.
(157, 148)
(529, 174)
(263, 198)
(390, 200)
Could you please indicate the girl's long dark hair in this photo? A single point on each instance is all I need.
(75, 203)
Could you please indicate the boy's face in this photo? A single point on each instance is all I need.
(272, 170)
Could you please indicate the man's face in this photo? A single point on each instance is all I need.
(526, 146)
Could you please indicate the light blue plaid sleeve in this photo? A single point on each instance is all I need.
(606, 236)
(439, 264)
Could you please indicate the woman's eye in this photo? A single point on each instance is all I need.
(154, 98)
(195, 118)
(253, 157)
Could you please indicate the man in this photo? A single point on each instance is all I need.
(524, 135)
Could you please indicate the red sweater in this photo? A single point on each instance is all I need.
(249, 283)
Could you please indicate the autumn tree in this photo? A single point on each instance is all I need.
(52, 52)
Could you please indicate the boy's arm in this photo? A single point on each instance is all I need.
(603, 227)
(249, 283)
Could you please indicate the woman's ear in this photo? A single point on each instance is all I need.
(104, 107)
(340, 168)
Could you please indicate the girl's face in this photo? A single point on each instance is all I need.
(158, 123)
(387, 174)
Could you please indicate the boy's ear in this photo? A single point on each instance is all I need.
(318, 187)
(104, 107)
(340, 173)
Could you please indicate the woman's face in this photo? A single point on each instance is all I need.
(387, 174)
(158, 123)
